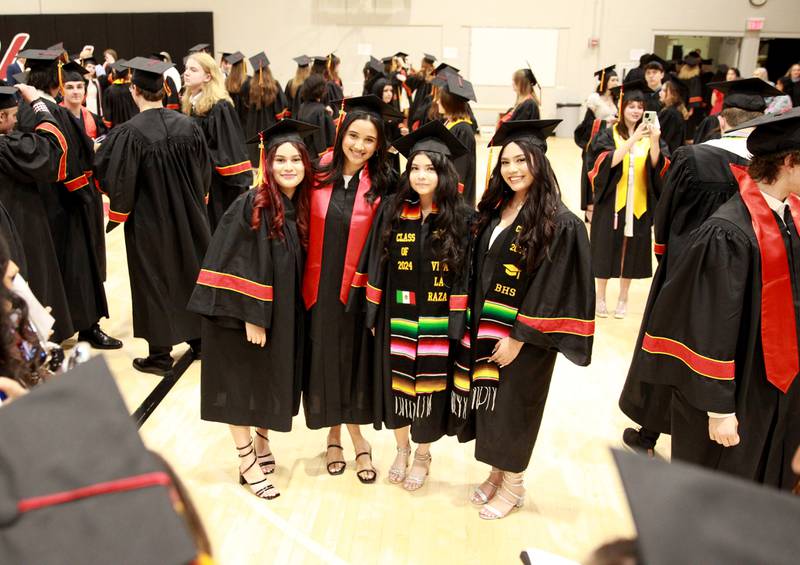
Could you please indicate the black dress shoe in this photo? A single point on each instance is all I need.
(152, 366)
(634, 442)
(98, 339)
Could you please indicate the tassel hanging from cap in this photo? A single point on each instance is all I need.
(61, 77)
(619, 103)
(167, 89)
(340, 120)
(259, 178)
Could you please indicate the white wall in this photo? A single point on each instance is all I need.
(287, 28)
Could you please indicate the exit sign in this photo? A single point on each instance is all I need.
(755, 24)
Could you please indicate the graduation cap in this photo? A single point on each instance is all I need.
(745, 93)
(445, 68)
(234, 58)
(370, 104)
(433, 136)
(429, 58)
(21, 78)
(148, 74)
(224, 54)
(320, 58)
(460, 87)
(8, 96)
(200, 47)
(652, 58)
(89, 61)
(603, 75)
(76, 483)
(120, 67)
(401, 54)
(283, 131)
(259, 62)
(387, 60)
(773, 132)
(631, 91)
(376, 65)
(57, 47)
(38, 58)
(302, 61)
(679, 85)
(533, 131)
(529, 74)
(687, 514)
(73, 72)
(692, 59)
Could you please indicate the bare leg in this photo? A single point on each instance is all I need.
(334, 456)
(483, 493)
(263, 451)
(364, 467)
(624, 287)
(248, 467)
(397, 472)
(602, 309)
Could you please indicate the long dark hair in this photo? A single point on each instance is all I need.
(623, 131)
(235, 79)
(263, 88)
(378, 166)
(538, 212)
(15, 328)
(449, 228)
(268, 196)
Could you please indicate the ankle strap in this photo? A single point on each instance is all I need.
(514, 479)
(419, 457)
(262, 437)
(246, 446)
(404, 450)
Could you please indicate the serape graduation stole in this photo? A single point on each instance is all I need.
(418, 307)
(479, 380)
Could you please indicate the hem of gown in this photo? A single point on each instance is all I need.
(318, 425)
(500, 460)
(641, 417)
(255, 420)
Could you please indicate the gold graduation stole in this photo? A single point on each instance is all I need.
(640, 152)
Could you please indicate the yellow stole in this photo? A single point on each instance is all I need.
(641, 153)
(451, 125)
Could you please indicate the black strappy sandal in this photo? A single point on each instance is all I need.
(268, 464)
(332, 463)
(363, 475)
(268, 491)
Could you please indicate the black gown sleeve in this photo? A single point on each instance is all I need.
(601, 153)
(557, 312)
(694, 328)
(679, 176)
(237, 275)
(117, 167)
(226, 145)
(459, 293)
(583, 133)
(38, 155)
(673, 128)
(528, 110)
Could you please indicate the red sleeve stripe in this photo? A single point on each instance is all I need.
(695, 99)
(705, 366)
(458, 302)
(285, 114)
(136, 482)
(359, 280)
(108, 123)
(236, 169)
(573, 326)
(118, 217)
(173, 106)
(77, 183)
(374, 294)
(62, 142)
(659, 248)
(461, 188)
(233, 283)
(596, 169)
(665, 168)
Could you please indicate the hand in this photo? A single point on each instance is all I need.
(589, 212)
(639, 132)
(724, 430)
(27, 92)
(12, 389)
(505, 351)
(255, 334)
(403, 130)
(655, 133)
(373, 331)
(329, 110)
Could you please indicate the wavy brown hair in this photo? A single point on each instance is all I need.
(236, 78)
(263, 88)
(538, 212)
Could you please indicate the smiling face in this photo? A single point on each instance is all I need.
(514, 168)
(74, 92)
(287, 166)
(633, 112)
(422, 175)
(612, 82)
(360, 142)
(194, 77)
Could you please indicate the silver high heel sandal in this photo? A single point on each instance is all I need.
(489, 512)
(397, 474)
(412, 482)
(478, 497)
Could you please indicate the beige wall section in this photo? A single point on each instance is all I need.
(287, 28)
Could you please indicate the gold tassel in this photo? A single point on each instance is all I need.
(60, 77)
(488, 169)
(261, 165)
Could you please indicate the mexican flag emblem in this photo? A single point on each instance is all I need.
(406, 297)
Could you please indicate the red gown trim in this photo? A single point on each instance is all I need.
(573, 326)
(230, 170)
(233, 283)
(705, 366)
(596, 169)
(62, 141)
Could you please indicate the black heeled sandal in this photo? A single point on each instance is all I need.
(363, 475)
(268, 491)
(333, 471)
(268, 464)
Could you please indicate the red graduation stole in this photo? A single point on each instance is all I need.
(778, 324)
(360, 223)
(88, 122)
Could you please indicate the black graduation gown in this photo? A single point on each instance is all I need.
(583, 136)
(338, 382)
(172, 97)
(294, 101)
(607, 242)
(156, 170)
(652, 102)
(673, 128)
(562, 287)
(118, 105)
(699, 182)
(707, 129)
(232, 170)
(433, 426)
(74, 212)
(257, 280)
(710, 307)
(696, 103)
(528, 109)
(465, 165)
(791, 89)
(333, 93)
(315, 113)
(260, 119)
(420, 102)
(241, 101)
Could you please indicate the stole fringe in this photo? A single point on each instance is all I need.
(459, 405)
(484, 397)
(413, 409)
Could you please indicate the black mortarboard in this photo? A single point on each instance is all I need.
(73, 72)
(320, 58)
(433, 136)
(158, 56)
(302, 60)
(534, 131)
(89, 61)
(745, 93)
(148, 74)
(653, 58)
(38, 58)
(692, 59)
(120, 66)
(774, 132)
(21, 78)
(445, 68)
(8, 96)
(607, 71)
(687, 514)
(259, 61)
(529, 75)
(632, 90)
(460, 87)
(387, 60)
(376, 65)
(428, 57)
(199, 47)
(283, 131)
(58, 47)
(679, 85)
(225, 54)
(401, 54)
(234, 58)
(76, 485)
(372, 105)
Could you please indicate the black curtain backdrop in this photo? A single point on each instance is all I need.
(782, 54)
(128, 34)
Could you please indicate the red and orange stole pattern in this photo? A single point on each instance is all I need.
(418, 306)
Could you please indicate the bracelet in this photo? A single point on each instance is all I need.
(39, 106)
